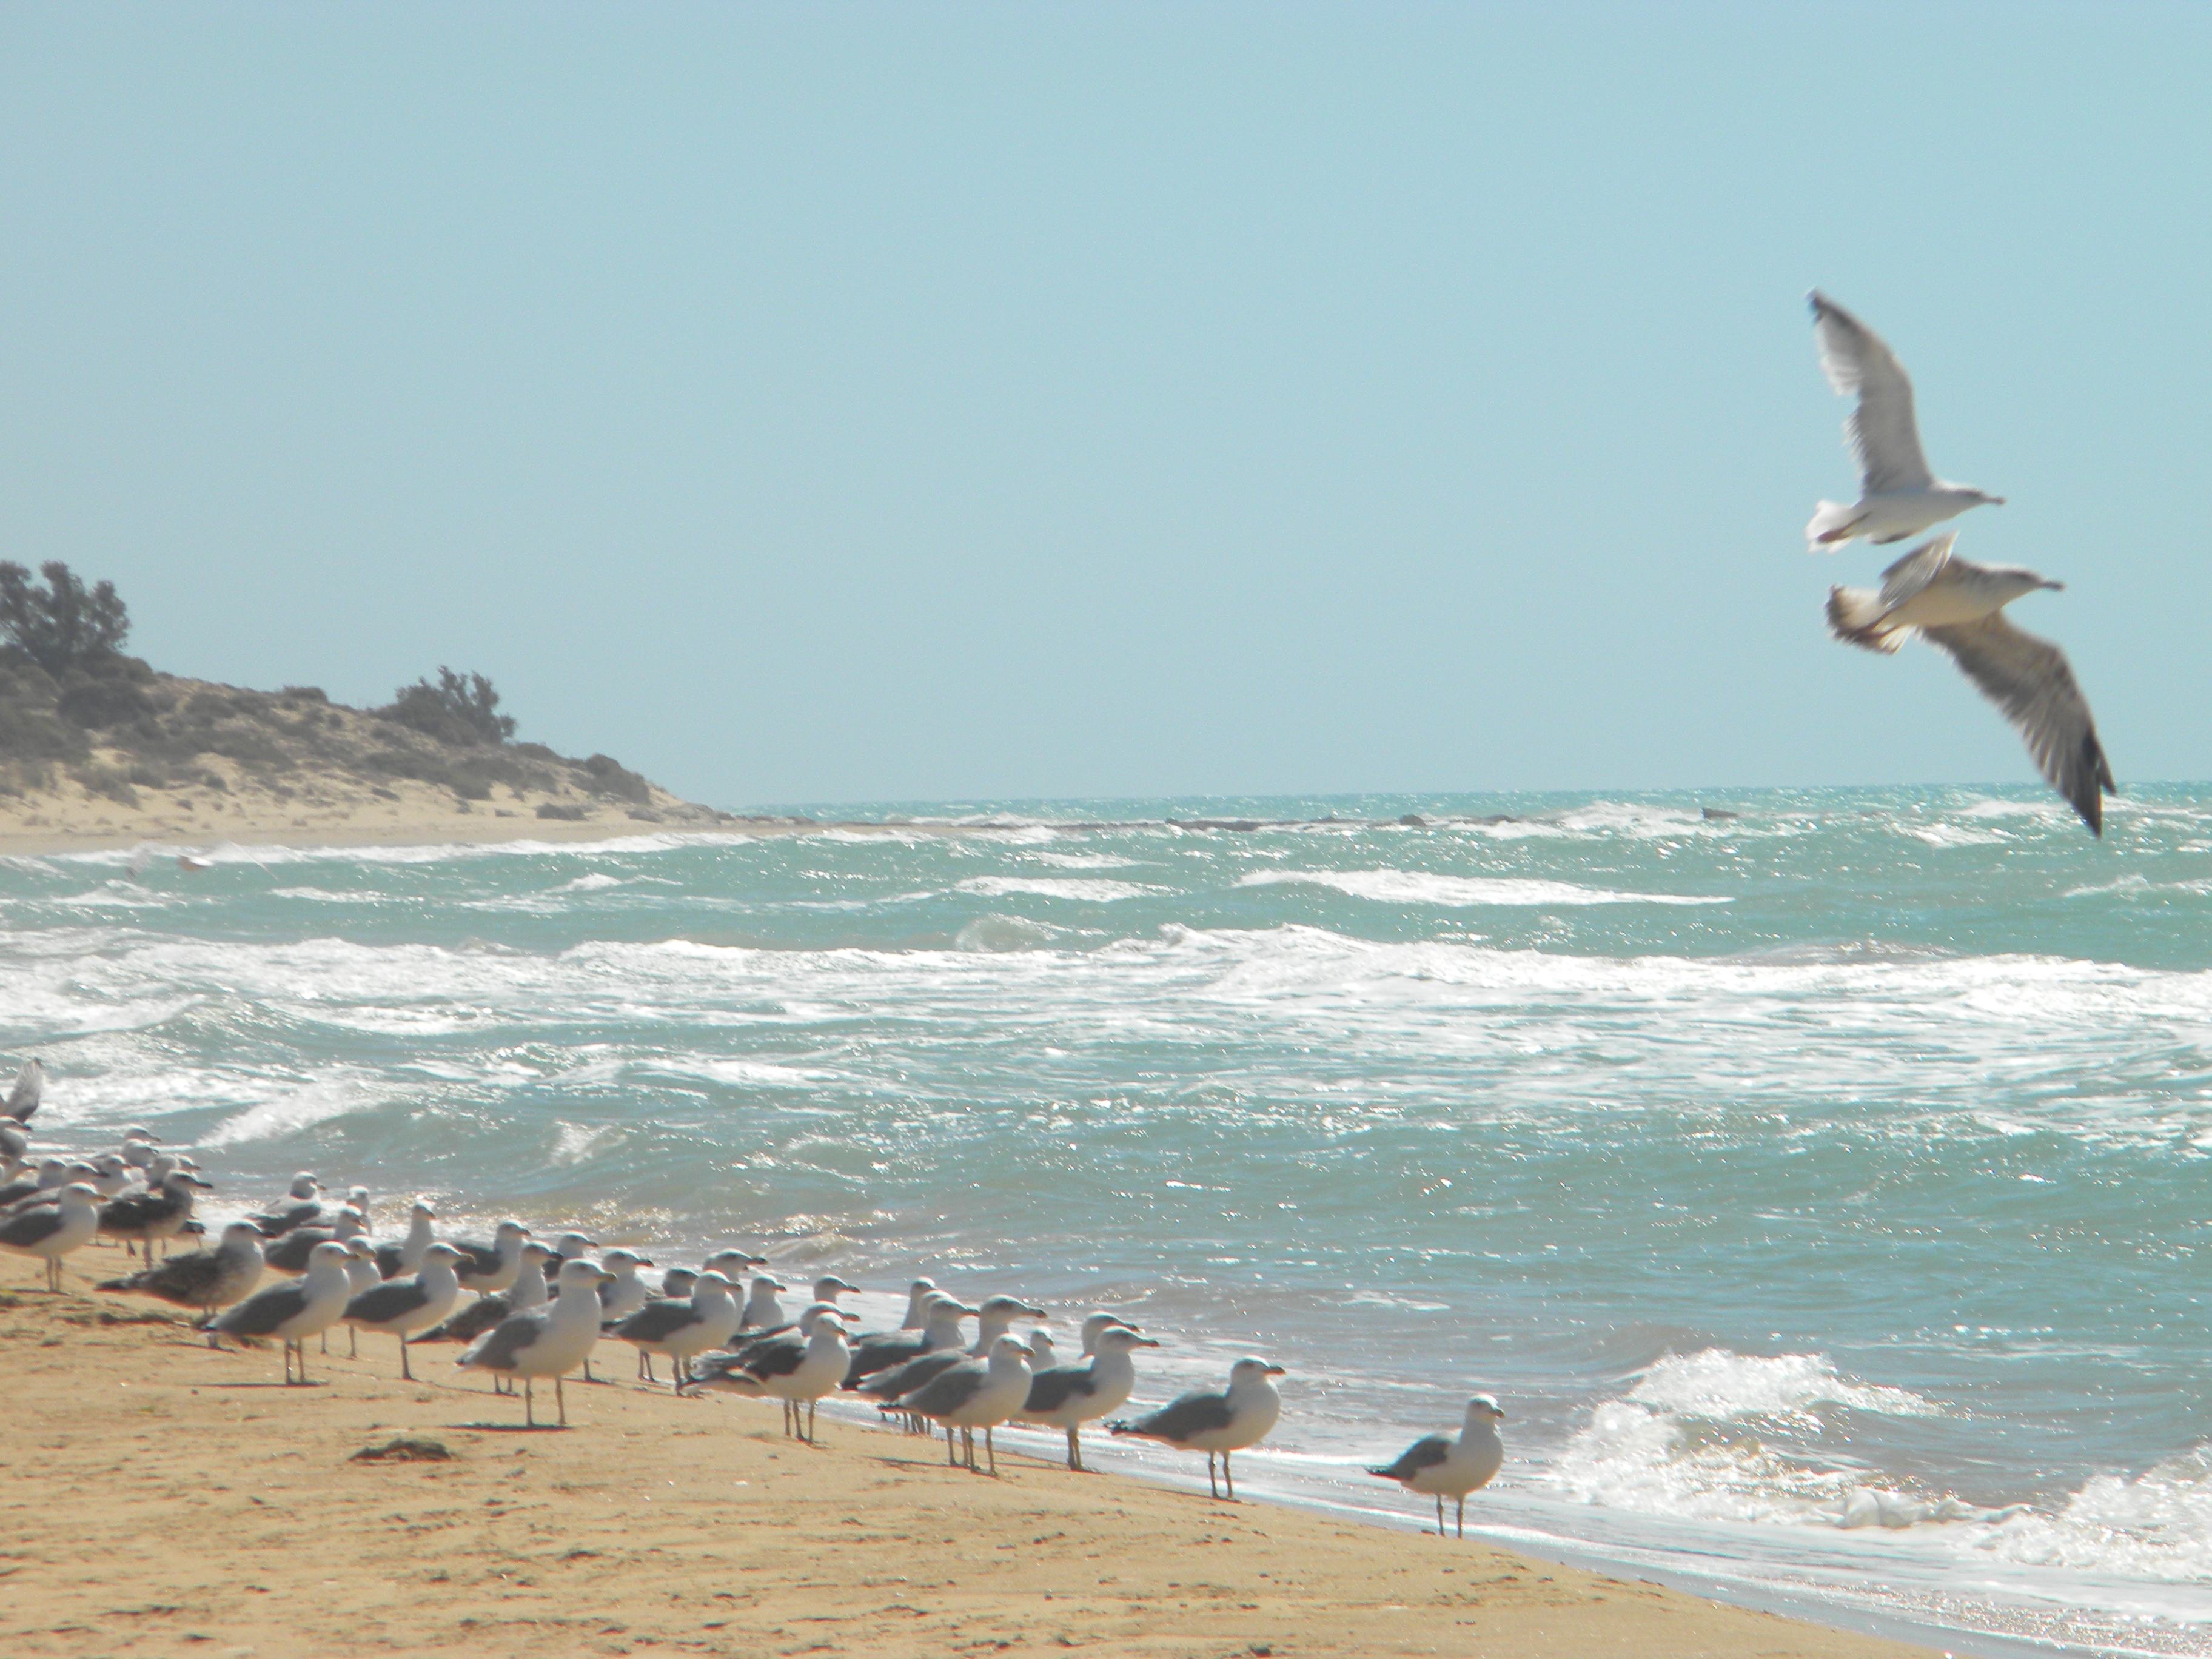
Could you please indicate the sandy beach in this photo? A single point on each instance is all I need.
(166, 1499)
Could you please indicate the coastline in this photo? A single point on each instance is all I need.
(233, 1511)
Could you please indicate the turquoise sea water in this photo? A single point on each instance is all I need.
(1825, 1189)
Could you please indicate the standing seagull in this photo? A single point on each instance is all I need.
(52, 1231)
(206, 1279)
(491, 1264)
(680, 1330)
(397, 1306)
(1443, 1467)
(1960, 605)
(1227, 1422)
(404, 1255)
(1897, 495)
(798, 1367)
(1068, 1396)
(160, 1213)
(548, 1341)
(975, 1393)
(293, 1312)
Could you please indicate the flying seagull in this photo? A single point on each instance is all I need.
(1897, 495)
(1960, 605)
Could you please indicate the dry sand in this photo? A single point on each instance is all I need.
(163, 1499)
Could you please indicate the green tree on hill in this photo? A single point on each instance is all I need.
(460, 708)
(65, 624)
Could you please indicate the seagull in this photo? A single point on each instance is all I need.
(206, 1279)
(972, 1394)
(1960, 605)
(529, 1290)
(30, 1088)
(15, 1139)
(548, 1341)
(882, 1351)
(53, 1231)
(397, 1306)
(994, 1319)
(1443, 1467)
(404, 1255)
(1897, 495)
(682, 1329)
(292, 1253)
(761, 1311)
(159, 1213)
(678, 1281)
(293, 1312)
(305, 1206)
(492, 1263)
(53, 1175)
(917, 1303)
(798, 1367)
(1221, 1423)
(1068, 1396)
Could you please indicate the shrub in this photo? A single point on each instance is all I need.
(459, 710)
(65, 624)
(547, 809)
(610, 777)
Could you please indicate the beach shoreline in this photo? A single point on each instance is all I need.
(170, 1496)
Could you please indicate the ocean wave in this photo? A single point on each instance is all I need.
(1088, 891)
(2154, 1525)
(297, 1110)
(1458, 892)
(1723, 1386)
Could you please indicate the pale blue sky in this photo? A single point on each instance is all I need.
(859, 402)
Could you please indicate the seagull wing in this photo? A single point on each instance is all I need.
(2029, 678)
(1425, 1453)
(1912, 573)
(30, 1086)
(1881, 433)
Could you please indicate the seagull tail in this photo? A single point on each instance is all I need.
(1830, 527)
(1856, 616)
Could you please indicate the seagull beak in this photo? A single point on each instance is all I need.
(1146, 1342)
(1277, 1371)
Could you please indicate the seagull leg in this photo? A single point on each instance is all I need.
(990, 1448)
(810, 1405)
(1462, 1516)
(562, 1400)
(951, 1461)
(403, 1370)
(303, 1361)
(353, 1343)
(326, 1339)
(1212, 1490)
(1440, 1514)
(1227, 1479)
(529, 1405)
(1074, 1450)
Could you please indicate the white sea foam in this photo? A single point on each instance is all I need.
(2154, 1525)
(296, 1109)
(1088, 891)
(1718, 1384)
(1458, 892)
(596, 882)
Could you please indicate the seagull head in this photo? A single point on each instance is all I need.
(1483, 1406)
(1123, 1338)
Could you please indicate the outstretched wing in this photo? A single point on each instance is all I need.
(30, 1087)
(1882, 432)
(2030, 679)
(1917, 569)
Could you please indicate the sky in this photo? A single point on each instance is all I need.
(864, 403)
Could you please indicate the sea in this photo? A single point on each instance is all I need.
(1821, 1180)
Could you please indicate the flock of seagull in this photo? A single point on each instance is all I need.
(537, 1311)
(1953, 603)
